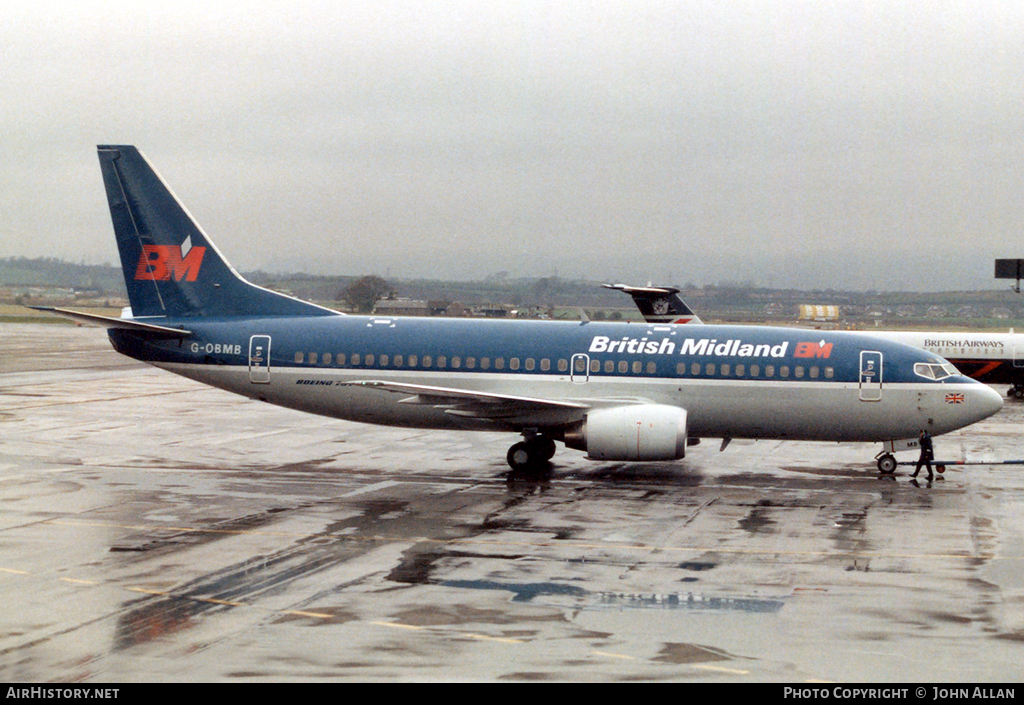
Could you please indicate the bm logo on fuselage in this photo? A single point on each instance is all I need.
(162, 262)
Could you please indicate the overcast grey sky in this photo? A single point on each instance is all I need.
(792, 143)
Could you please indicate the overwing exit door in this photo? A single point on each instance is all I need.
(870, 375)
(259, 359)
(579, 372)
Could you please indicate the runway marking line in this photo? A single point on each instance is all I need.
(721, 669)
(624, 657)
(162, 593)
(216, 601)
(303, 613)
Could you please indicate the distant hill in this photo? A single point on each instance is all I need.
(104, 279)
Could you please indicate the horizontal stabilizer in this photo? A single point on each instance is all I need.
(122, 323)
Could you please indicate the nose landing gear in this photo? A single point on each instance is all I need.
(887, 463)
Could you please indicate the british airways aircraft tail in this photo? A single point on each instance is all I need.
(659, 304)
(170, 267)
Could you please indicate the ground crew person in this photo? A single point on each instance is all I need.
(927, 453)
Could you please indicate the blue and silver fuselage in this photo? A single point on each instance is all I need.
(734, 381)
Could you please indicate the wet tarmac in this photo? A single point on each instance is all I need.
(157, 530)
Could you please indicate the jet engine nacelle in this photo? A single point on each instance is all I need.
(637, 432)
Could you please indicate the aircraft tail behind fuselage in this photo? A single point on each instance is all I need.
(659, 304)
(171, 269)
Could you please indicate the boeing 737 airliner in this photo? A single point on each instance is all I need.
(617, 391)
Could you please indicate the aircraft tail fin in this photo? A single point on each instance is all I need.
(171, 268)
(658, 304)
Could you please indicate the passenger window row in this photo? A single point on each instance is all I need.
(710, 369)
(440, 362)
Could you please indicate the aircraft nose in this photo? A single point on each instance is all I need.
(986, 401)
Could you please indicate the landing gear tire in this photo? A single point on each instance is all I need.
(522, 456)
(887, 464)
(531, 454)
(1016, 392)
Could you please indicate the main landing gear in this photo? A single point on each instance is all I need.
(531, 453)
(1016, 391)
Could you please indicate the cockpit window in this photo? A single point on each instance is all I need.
(935, 370)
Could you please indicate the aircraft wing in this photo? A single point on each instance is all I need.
(486, 407)
(123, 323)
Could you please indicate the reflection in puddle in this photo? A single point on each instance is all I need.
(691, 601)
(525, 592)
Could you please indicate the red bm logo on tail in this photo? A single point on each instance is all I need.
(161, 262)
